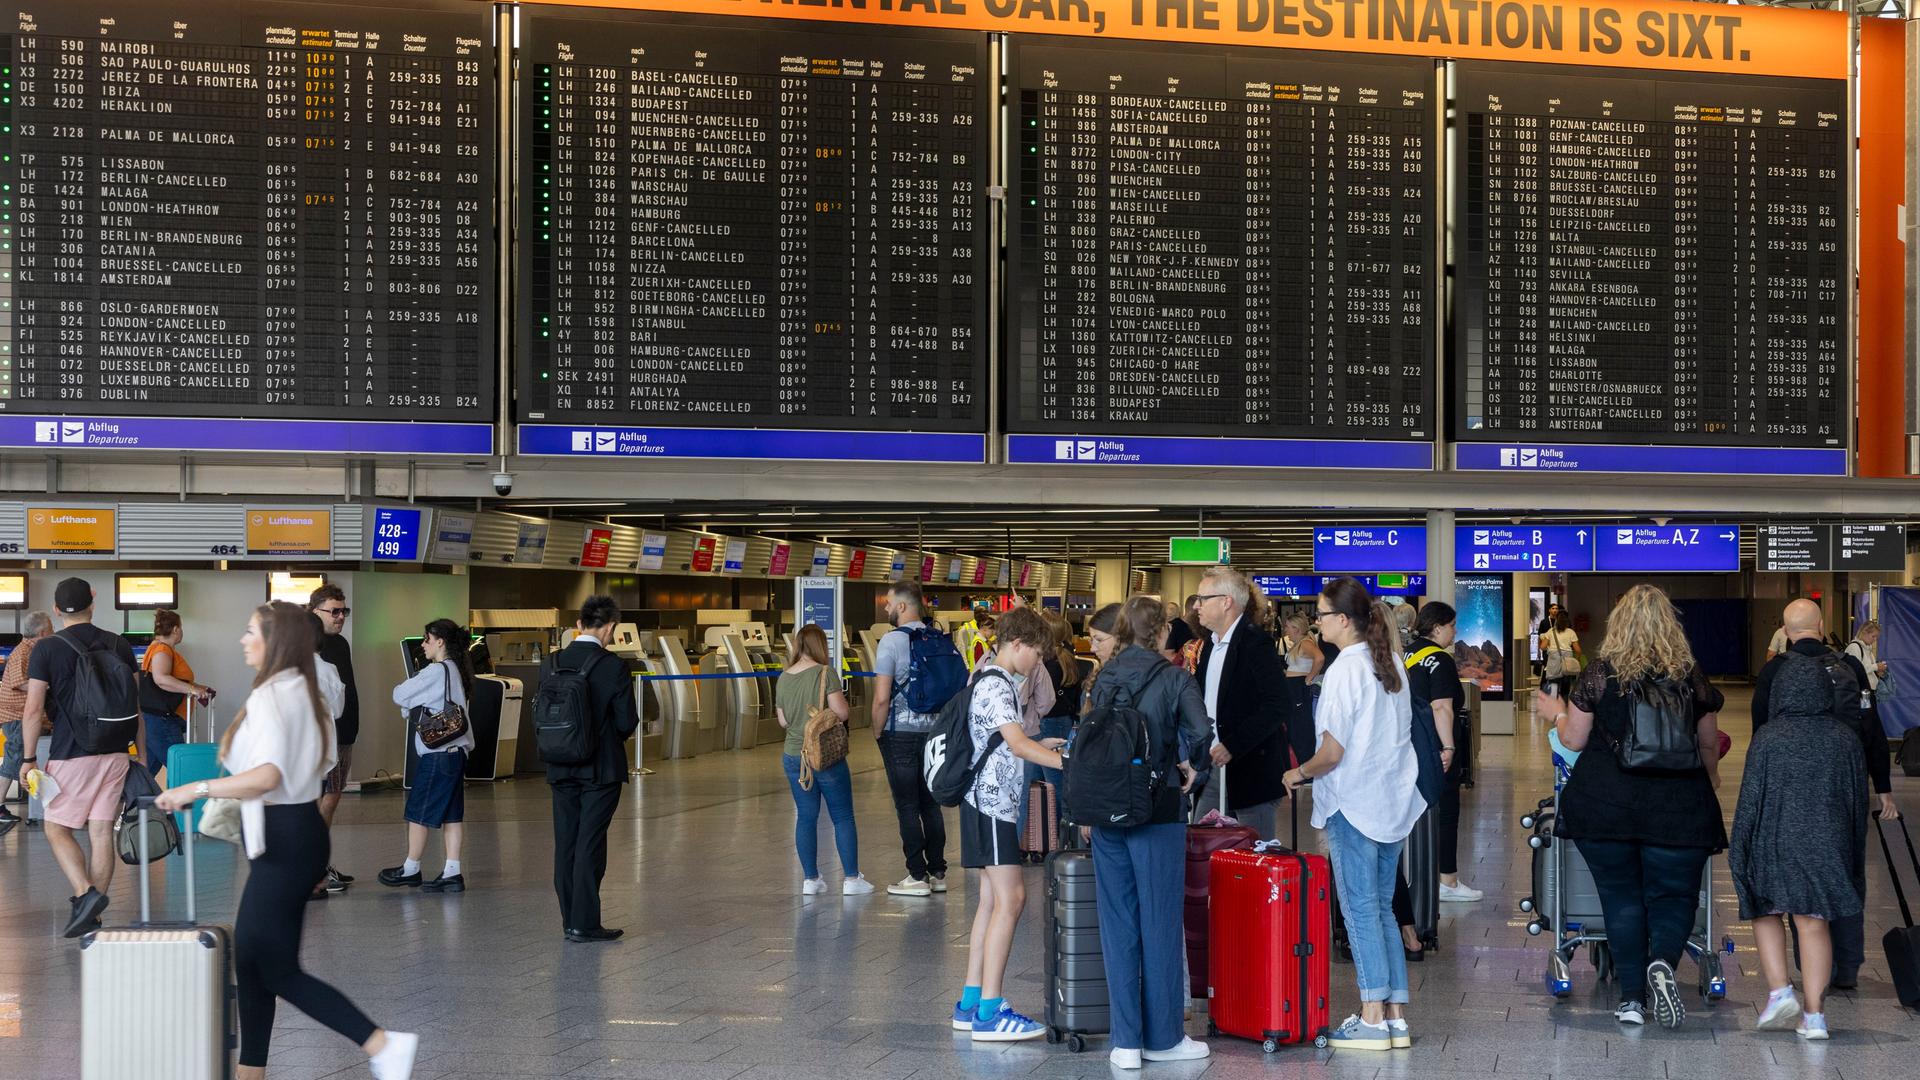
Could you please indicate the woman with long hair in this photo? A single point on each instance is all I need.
(809, 683)
(276, 753)
(438, 797)
(1365, 797)
(1141, 886)
(1069, 674)
(1646, 834)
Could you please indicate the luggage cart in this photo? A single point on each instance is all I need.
(1565, 902)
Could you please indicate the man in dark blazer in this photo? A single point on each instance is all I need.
(585, 796)
(1244, 682)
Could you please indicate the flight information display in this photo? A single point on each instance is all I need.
(1651, 260)
(752, 224)
(1217, 241)
(248, 210)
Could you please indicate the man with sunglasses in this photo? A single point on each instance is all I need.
(1244, 682)
(329, 602)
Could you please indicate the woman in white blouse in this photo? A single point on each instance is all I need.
(277, 752)
(1364, 796)
(437, 799)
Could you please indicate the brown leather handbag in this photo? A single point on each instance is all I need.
(437, 729)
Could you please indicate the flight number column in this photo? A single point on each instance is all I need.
(54, 273)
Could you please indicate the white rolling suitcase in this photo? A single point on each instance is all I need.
(156, 998)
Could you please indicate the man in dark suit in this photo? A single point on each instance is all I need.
(586, 795)
(1244, 682)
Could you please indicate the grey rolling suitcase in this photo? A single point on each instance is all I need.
(1076, 976)
(156, 998)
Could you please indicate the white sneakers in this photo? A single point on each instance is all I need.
(1188, 1050)
(939, 882)
(395, 1060)
(1782, 1012)
(857, 885)
(913, 886)
(1460, 894)
(813, 886)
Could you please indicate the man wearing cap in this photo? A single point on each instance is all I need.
(89, 784)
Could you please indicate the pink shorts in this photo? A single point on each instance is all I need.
(89, 789)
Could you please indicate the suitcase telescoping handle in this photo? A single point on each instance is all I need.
(207, 711)
(1893, 871)
(145, 806)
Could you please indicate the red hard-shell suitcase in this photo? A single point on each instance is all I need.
(1202, 842)
(1274, 984)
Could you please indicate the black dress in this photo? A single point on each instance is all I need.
(1602, 801)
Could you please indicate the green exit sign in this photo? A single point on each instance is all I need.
(1198, 551)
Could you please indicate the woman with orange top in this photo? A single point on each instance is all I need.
(166, 682)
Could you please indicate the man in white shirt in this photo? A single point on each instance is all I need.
(1245, 685)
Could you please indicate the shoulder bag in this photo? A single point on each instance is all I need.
(448, 724)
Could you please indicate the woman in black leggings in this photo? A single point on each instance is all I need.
(278, 750)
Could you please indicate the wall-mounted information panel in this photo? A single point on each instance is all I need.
(1221, 242)
(738, 224)
(1650, 261)
(246, 211)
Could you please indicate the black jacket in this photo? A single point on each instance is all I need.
(1250, 714)
(1170, 700)
(1873, 739)
(613, 706)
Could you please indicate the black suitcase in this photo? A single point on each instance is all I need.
(1076, 975)
(1422, 874)
(1902, 942)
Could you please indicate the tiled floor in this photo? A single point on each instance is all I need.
(727, 973)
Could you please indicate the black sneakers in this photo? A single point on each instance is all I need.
(392, 876)
(86, 912)
(1663, 993)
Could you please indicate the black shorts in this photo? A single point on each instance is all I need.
(987, 841)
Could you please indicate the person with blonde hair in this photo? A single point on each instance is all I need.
(277, 753)
(811, 683)
(1646, 833)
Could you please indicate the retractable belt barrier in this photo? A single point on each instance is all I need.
(754, 674)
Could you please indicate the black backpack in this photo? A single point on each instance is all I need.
(565, 729)
(1113, 772)
(948, 763)
(105, 701)
(1660, 734)
(1849, 697)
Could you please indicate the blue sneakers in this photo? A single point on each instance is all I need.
(962, 1017)
(1356, 1034)
(1006, 1026)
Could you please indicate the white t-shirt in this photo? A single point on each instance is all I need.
(1374, 785)
(332, 690)
(280, 729)
(1869, 657)
(431, 687)
(998, 789)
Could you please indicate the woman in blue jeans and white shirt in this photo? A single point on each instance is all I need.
(809, 683)
(1142, 878)
(438, 797)
(1364, 796)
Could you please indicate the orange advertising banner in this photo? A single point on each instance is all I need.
(296, 531)
(1666, 35)
(71, 530)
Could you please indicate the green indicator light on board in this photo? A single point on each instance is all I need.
(1033, 202)
(545, 168)
(544, 236)
(546, 127)
(545, 319)
(1033, 123)
(546, 112)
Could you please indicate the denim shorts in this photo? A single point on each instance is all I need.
(439, 795)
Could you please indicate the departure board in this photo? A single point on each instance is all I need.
(1211, 241)
(1651, 260)
(751, 223)
(241, 210)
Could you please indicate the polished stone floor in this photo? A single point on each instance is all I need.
(726, 972)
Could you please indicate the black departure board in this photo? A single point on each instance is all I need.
(249, 209)
(756, 223)
(1650, 259)
(1217, 241)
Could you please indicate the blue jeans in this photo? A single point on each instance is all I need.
(1364, 873)
(1649, 895)
(835, 785)
(1141, 888)
(164, 731)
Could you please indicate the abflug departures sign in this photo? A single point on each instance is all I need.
(260, 210)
